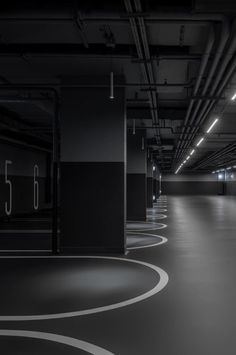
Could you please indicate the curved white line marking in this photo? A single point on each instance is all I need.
(75, 343)
(155, 226)
(161, 205)
(161, 209)
(156, 216)
(163, 240)
(159, 286)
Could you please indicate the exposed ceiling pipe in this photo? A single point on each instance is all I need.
(10, 124)
(224, 160)
(202, 18)
(140, 54)
(216, 155)
(149, 64)
(219, 84)
(224, 38)
(222, 87)
(203, 65)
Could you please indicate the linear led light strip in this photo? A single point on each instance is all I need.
(199, 142)
(233, 97)
(229, 168)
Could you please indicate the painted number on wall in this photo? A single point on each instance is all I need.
(36, 187)
(8, 204)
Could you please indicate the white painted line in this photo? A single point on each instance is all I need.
(162, 282)
(25, 231)
(143, 229)
(25, 250)
(75, 343)
(156, 216)
(18, 219)
(161, 209)
(163, 240)
(160, 206)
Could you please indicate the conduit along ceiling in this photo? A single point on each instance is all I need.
(178, 60)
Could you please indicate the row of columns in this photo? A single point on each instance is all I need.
(106, 176)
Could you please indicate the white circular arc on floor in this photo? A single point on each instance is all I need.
(157, 288)
(163, 240)
(75, 343)
(156, 216)
(160, 209)
(155, 226)
(161, 206)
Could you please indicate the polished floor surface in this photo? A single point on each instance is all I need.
(195, 313)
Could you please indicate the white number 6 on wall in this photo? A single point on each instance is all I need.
(36, 187)
(8, 205)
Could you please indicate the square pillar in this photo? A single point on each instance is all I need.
(93, 171)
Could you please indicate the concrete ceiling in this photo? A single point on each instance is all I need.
(162, 65)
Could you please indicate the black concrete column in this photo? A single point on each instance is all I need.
(149, 184)
(93, 163)
(136, 176)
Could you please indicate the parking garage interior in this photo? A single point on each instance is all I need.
(118, 177)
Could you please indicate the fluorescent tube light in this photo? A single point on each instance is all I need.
(111, 85)
(134, 127)
(200, 141)
(212, 125)
(233, 97)
(192, 152)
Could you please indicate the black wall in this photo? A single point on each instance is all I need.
(189, 184)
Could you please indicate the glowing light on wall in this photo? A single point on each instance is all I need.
(221, 176)
(111, 85)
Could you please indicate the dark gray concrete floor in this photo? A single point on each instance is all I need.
(195, 313)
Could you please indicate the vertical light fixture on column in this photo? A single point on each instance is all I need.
(111, 85)
(160, 184)
(134, 128)
(143, 143)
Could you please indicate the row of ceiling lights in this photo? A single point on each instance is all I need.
(223, 170)
(201, 140)
(197, 145)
